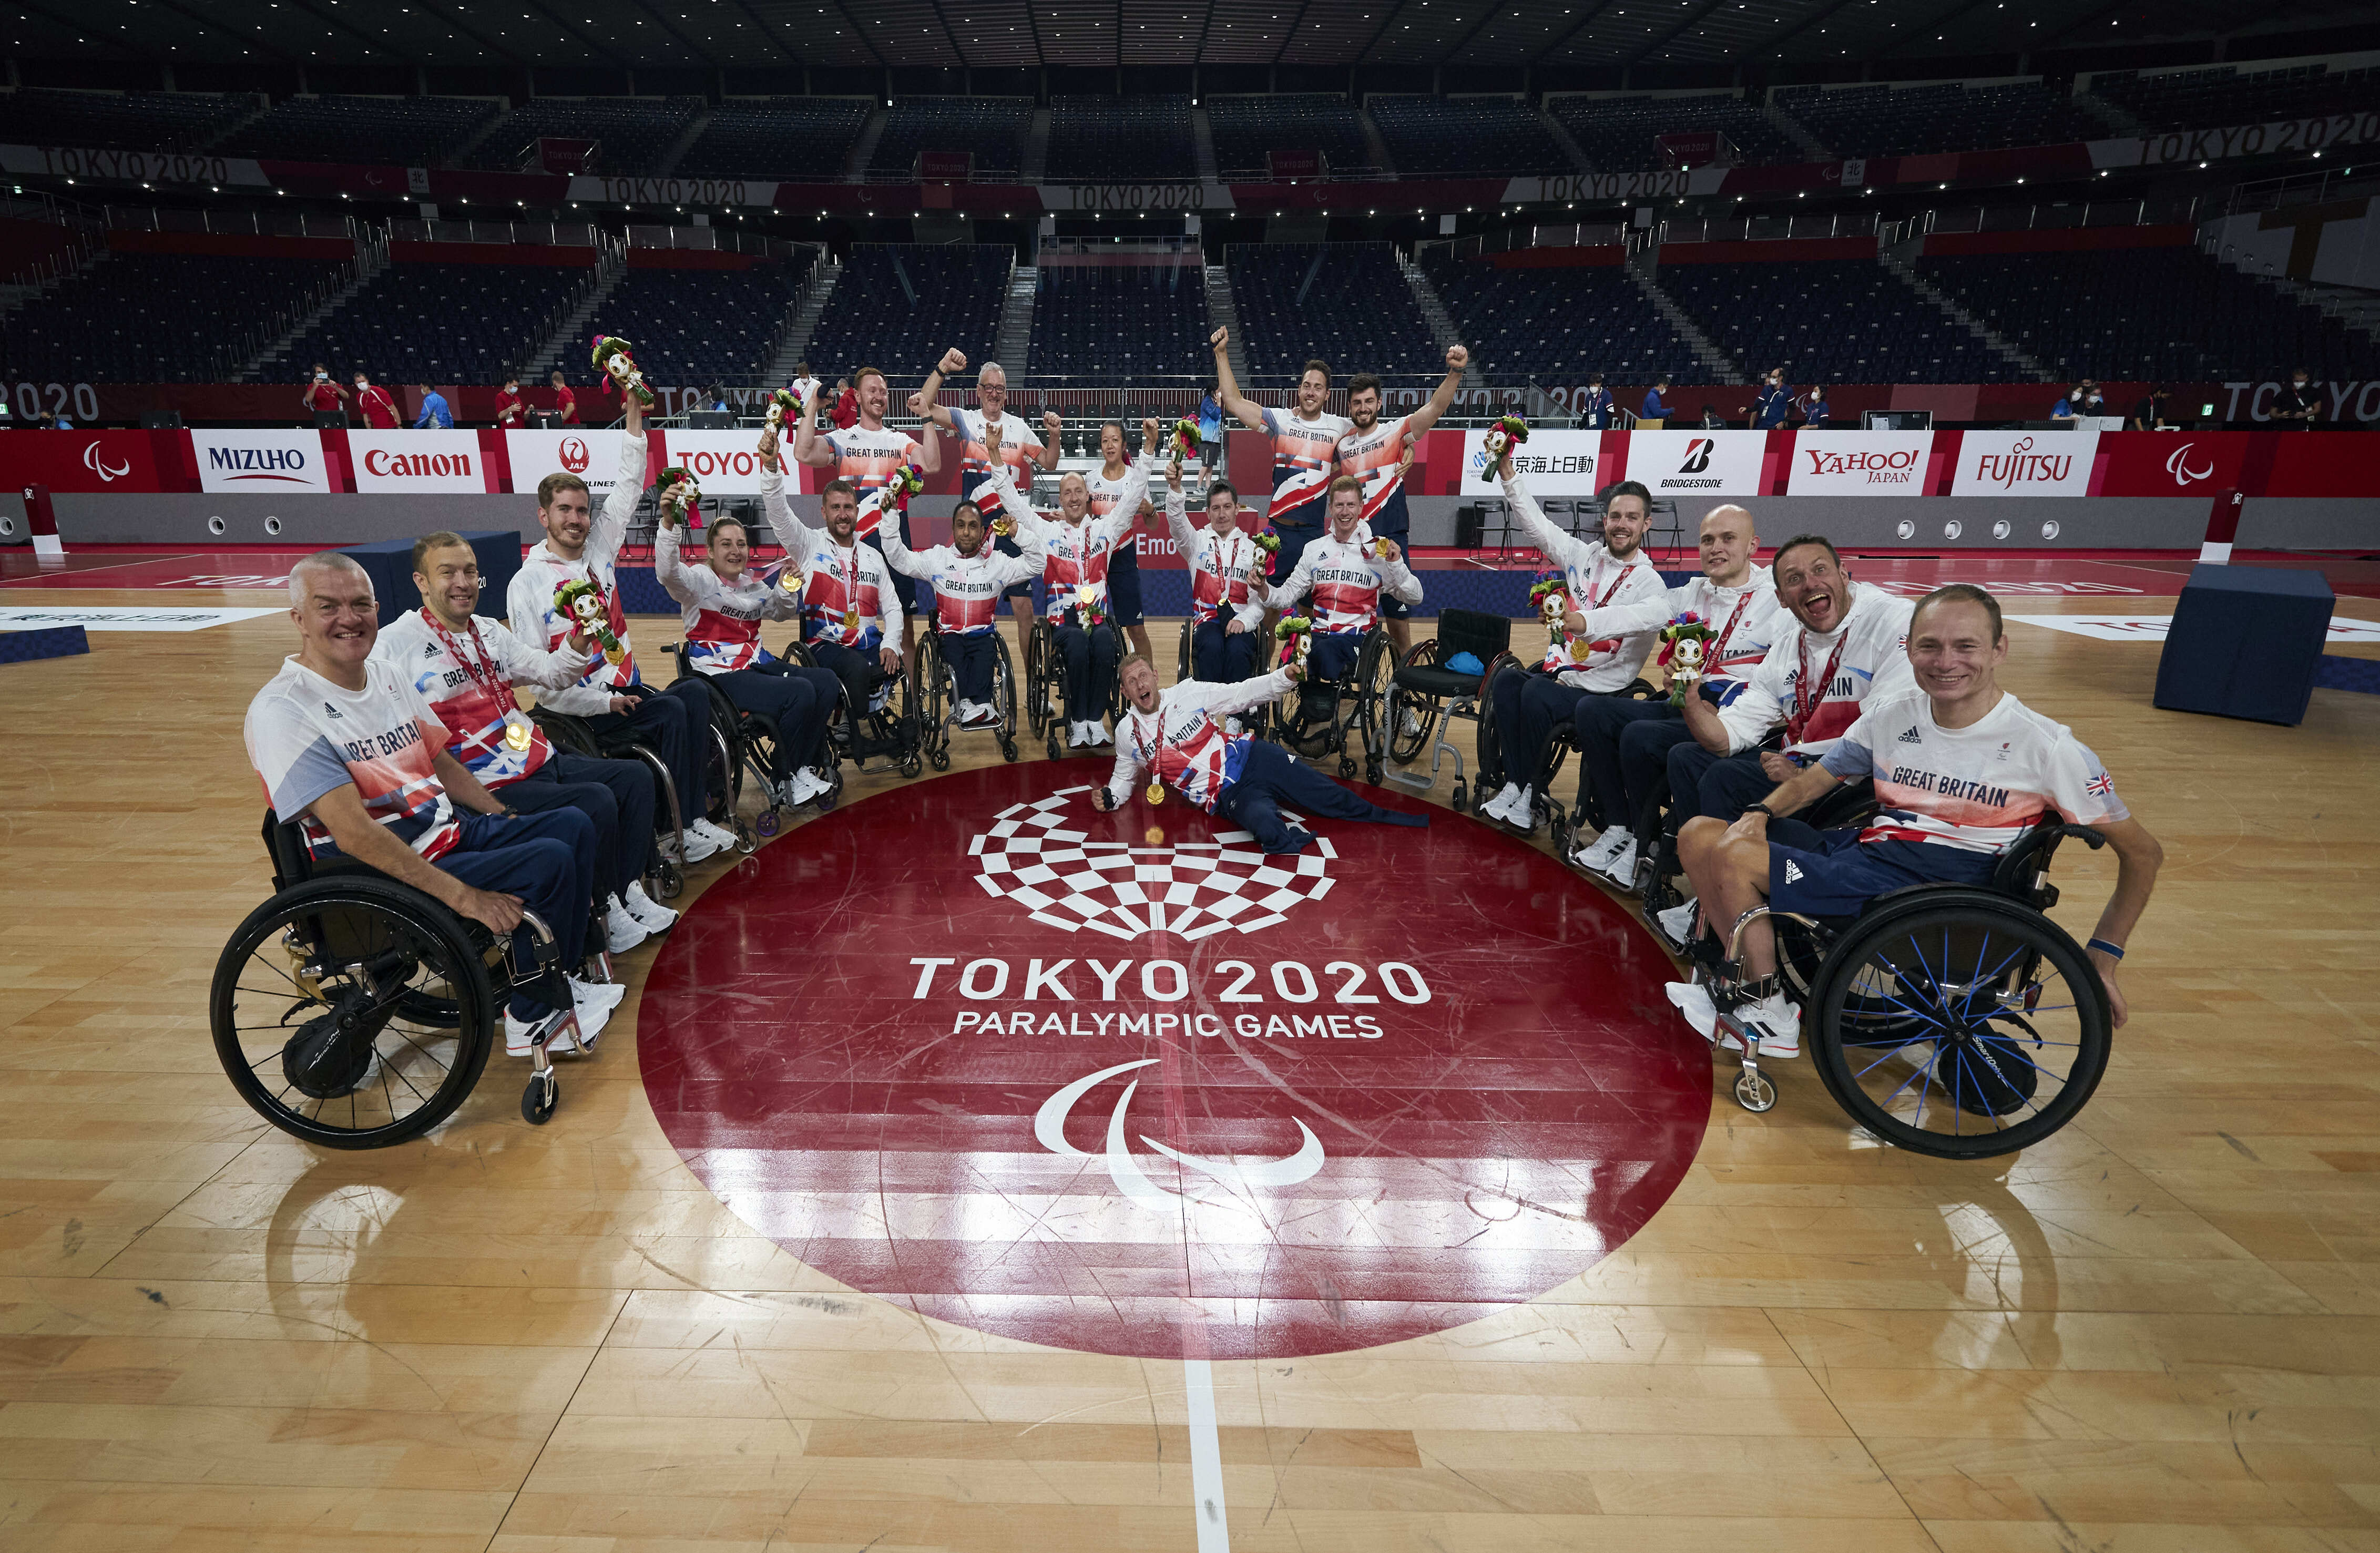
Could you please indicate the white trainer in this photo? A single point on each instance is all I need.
(1777, 1023)
(721, 838)
(1587, 854)
(1520, 813)
(657, 917)
(1619, 868)
(591, 1023)
(1494, 807)
(1075, 737)
(1677, 923)
(1099, 735)
(600, 994)
(808, 785)
(698, 846)
(621, 930)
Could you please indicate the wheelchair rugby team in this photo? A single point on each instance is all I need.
(1830, 744)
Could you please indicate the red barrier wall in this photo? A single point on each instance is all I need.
(232, 245)
(557, 257)
(2079, 239)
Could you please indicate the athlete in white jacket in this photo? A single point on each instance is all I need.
(582, 545)
(1347, 576)
(722, 606)
(1077, 549)
(1173, 734)
(969, 578)
(1227, 582)
(1576, 664)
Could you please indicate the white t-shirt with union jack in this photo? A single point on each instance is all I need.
(1976, 788)
(466, 701)
(1221, 565)
(1346, 581)
(1183, 742)
(967, 589)
(869, 460)
(307, 736)
(1873, 661)
(722, 619)
(1020, 449)
(1304, 457)
(1076, 553)
(1377, 459)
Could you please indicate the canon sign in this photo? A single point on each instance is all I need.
(440, 462)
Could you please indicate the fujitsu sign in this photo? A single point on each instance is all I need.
(2026, 462)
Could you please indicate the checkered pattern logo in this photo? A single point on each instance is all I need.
(1193, 889)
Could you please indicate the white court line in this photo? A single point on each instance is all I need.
(1205, 1458)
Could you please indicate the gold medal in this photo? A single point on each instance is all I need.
(1380, 549)
(851, 620)
(1156, 794)
(1087, 594)
(517, 736)
(791, 581)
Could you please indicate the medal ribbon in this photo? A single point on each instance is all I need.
(1719, 648)
(482, 671)
(1805, 700)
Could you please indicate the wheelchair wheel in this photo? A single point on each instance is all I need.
(1375, 687)
(937, 693)
(1003, 694)
(1036, 678)
(1182, 659)
(354, 1012)
(722, 779)
(1488, 747)
(1407, 745)
(669, 880)
(1115, 679)
(1961, 1025)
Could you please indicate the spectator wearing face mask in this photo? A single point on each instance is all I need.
(2149, 414)
(1814, 412)
(2299, 402)
(1594, 407)
(1775, 402)
(2069, 405)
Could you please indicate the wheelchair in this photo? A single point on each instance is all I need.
(1654, 878)
(1426, 696)
(936, 689)
(1953, 1020)
(1561, 741)
(356, 1012)
(885, 728)
(743, 745)
(1045, 682)
(666, 878)
(1359, 705)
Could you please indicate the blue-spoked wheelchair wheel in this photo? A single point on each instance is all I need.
(1957, 1023)
(354, 1012)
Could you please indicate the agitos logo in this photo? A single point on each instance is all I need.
(1097, 1080)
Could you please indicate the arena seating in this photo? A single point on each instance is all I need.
(1560, 323)
(699, 326)
(804, 138)
(1247, 129)
(120, 120)
(1137, 324)
(155, 318)
(992, 127)
(2183, 315)
(1498, 135)
(1356, 311)
(1127, 138)
(410, 132)
(1829, 322)
(1621, 134)
(2223, 95)
(953, 297)
(1909, 121)
(436, 323)
(632, 131)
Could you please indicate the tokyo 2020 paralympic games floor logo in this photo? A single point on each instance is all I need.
(1123, 1084)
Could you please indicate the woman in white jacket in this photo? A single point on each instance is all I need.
(722, 606)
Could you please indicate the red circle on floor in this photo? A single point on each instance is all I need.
(1122, 1084)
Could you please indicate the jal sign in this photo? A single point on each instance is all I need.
(427, 462)
(592, 454)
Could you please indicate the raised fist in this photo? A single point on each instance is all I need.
(769, 446)
(992, 432)
(1457, 357)
(1218, 339)
(1051, 421)
(954, 362)
(916, 402)
(1149, 434)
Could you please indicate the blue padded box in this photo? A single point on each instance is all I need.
(2245, 642)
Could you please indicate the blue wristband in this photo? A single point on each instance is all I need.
(2104, 947)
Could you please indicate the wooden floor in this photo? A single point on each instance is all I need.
(2159, 1333)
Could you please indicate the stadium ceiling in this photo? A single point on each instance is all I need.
(874, 34)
